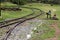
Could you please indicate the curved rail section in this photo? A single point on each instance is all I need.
(11, 22)
(21, 20)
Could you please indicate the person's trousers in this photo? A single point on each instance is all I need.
(49, 16)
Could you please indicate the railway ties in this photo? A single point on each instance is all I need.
(9, 32)
(11, 23)
(18, 21)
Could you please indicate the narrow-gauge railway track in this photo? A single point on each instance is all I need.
(20, 20)
(11, 22)
(9, 32)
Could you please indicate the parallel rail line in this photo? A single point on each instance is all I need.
(20, 20)
(9, 32)
(13, 21)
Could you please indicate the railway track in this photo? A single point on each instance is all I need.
(19, 21)
(13, 21)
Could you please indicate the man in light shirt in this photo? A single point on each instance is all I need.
(49, 14)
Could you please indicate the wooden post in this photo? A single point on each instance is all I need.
(18, 3)
(0, 12)
(0, 9)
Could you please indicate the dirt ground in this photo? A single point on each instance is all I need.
(57, 31)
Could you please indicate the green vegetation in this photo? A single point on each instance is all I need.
(55, 9)
(26, 1)
(43, 32)
(45, 28)
(59, 37)
(8, 4)
(3, 31)
(15, 14)
(46, 7)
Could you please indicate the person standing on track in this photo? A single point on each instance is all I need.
(49, 14)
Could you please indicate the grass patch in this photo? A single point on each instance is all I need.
(44, 31)
(59, 37)
(8, 4)
(48, 34)
(2, 31)
(46, 7)
(15, 14)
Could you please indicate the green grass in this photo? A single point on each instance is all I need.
(7, 4)
(59, 37)
(15, 14)
(3, 31)
(49, 32)
(46, 8)
(45, 31)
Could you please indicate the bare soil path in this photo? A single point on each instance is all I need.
(57, 31)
